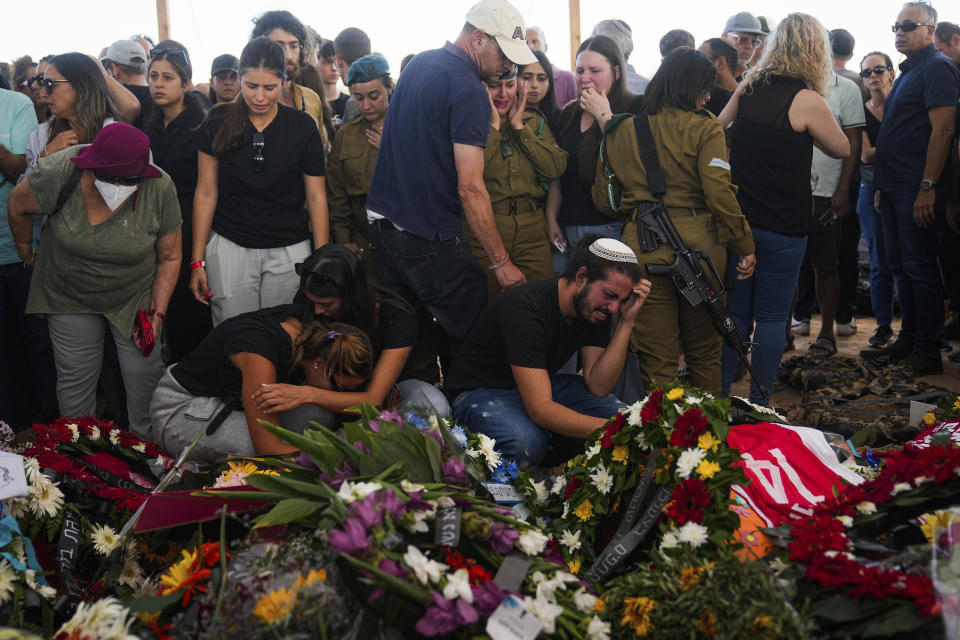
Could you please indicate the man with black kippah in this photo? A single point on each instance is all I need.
(506, 371)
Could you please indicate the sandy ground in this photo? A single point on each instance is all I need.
(787, 399)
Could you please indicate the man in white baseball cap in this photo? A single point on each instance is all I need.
(502, 22)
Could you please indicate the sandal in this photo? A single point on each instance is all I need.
(824, 347)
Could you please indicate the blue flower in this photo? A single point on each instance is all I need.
(415, 420)
(459, 436)
(505, 472)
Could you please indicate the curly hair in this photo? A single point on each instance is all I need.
(799, 48)
(345, 349)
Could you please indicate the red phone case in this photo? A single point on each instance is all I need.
(145, 333)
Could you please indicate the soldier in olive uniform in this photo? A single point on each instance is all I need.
(354, 154)
(520, 161)
(702, 204)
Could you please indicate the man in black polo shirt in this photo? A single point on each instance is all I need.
(506, 371)
(430, 169)
(915, 136)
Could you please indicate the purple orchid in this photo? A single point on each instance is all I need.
(502, 537)
(445, 616)
(487, 598)
(389, 416)
(304, 460)
(352, 538)
(365, 511)
(435, 434)
(393, 504)
(454, 472)
(362, 448)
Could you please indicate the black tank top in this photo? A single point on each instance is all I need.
(873, 125)
(770, 161)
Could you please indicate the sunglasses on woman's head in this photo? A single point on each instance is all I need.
(258, 145)
(908, 26)
(169, 51)
(879, 70)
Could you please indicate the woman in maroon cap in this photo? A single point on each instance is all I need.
(110, 250)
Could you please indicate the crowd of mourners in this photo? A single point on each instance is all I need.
(470, 234)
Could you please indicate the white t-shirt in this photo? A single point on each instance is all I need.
(38, 140)
(846, 103)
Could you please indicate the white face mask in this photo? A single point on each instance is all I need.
(114, 194)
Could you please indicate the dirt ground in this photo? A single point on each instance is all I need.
(846, 406)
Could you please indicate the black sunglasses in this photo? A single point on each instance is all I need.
(49, 83)
(128, 182)
(908, 26)
(258, 152)
(879, 70)
(169, 51)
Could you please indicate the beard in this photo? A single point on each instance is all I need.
(582, 307)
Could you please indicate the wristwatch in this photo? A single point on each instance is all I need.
(927, 185)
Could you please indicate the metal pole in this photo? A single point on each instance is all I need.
(163, 20)
(574, 31)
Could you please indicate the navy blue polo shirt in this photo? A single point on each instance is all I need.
(928, 79)
(439, 100)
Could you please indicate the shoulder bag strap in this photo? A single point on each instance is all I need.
(67, 190)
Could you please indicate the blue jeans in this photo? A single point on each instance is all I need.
(441, 276)
(881, 280)
(911, 254)
(500, 414)
(576, 232)
(760, 306)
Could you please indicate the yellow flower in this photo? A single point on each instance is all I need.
(620, 453)
(178, 574)
(599, 605)
(584, 511)
(929, 418)
(675, 394)
(690, 576)
(763, 622)
(315, 575)
(637, 614)
(956, 404)
(275, 605)
(707, 441)
(708, 623)
(707, 469)
(936, 520)
(574, 565)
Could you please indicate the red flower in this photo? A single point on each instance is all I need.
(688, 427)
(652, 408)
(107, 462)
(939, 462)
(574, 484)
(613, 427)
(689, 498)
(210, 553)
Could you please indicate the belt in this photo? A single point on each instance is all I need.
(514, 207)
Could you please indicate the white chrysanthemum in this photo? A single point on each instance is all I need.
(593, 451)
(105, 619)
(866, 508)
(540, 522)
(846, 521)
(351, 492)
(532, 542)
(141, 447)
(44, 590)
(598, 629)
(900, 487)
(558, 485)
(75, 431)
(570, 540)
(45, 499)
(689, 460)
(458, 586)
(692, 399)
(670, 540)
(104, 539)
(602, 480)
(584, 600)
(488, 449)
(31, 467)
(919, 480)
(424, 568)
(7, 577)
(566, 509)
(633, 414)
(94, 432)
(131, 574)
(640, 440)
(693, 534)
(114, 437)
(545, 611)
(541, 494)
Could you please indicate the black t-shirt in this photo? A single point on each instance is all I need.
(339, 104)
(265, 210)
(175, 151)
(207, 371)
(719, 97)
(522, 327)
(142, 93)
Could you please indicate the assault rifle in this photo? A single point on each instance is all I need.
(687, 272)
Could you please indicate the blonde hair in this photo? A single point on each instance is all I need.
(345, 349)
(799, 48)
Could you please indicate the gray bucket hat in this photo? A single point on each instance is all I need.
(744, 22)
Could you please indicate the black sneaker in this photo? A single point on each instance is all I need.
(881, 337)
(923, 365)
(896, 351)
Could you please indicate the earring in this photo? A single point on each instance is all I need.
(316, 366)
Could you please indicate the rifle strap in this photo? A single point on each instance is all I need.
(656, 179)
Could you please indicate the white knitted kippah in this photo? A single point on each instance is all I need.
(613, 250)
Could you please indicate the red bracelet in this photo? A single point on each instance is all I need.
(198, 264)
(154, 312)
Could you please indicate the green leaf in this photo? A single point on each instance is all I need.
(153, 603)
(393, 583)
(308, 445)
(293, 488)
(345, 448)
(434, 455)
(286, 511)
(900, 618)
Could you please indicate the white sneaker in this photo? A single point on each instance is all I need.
(800, 327)
(847, 329)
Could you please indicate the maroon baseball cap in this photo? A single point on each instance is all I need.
(119, 150)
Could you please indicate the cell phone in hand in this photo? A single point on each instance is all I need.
(560, 245)
(145, 335)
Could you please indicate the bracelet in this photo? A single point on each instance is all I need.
(198, 264)
(501, 263)
(25, 244)
(154, 313)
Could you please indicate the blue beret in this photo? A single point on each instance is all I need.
(367, 68)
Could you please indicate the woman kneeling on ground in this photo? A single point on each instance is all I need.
(210, 391)
(333, 283)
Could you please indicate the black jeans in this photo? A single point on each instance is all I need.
(34, 342)
(441, 276)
